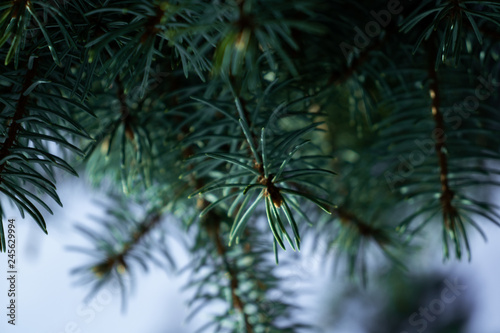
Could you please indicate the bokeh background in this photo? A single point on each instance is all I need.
(49, 300)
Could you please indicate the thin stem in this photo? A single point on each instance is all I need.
(21, 109)
(211, 222)
(124, 109)
(439, 130)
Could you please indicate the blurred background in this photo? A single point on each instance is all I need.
(431, 296)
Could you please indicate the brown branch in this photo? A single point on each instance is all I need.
(211, 221)
(347, 217)
(151, 28)
(346, 72)
(122, 98)
(14, 125)
(119, 259)
(435, 95)
(124, 109)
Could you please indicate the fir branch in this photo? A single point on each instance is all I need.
(351, 237)
(348, 218)
(212, 223)
(21, 109)
(146, 227)
(122, 246)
